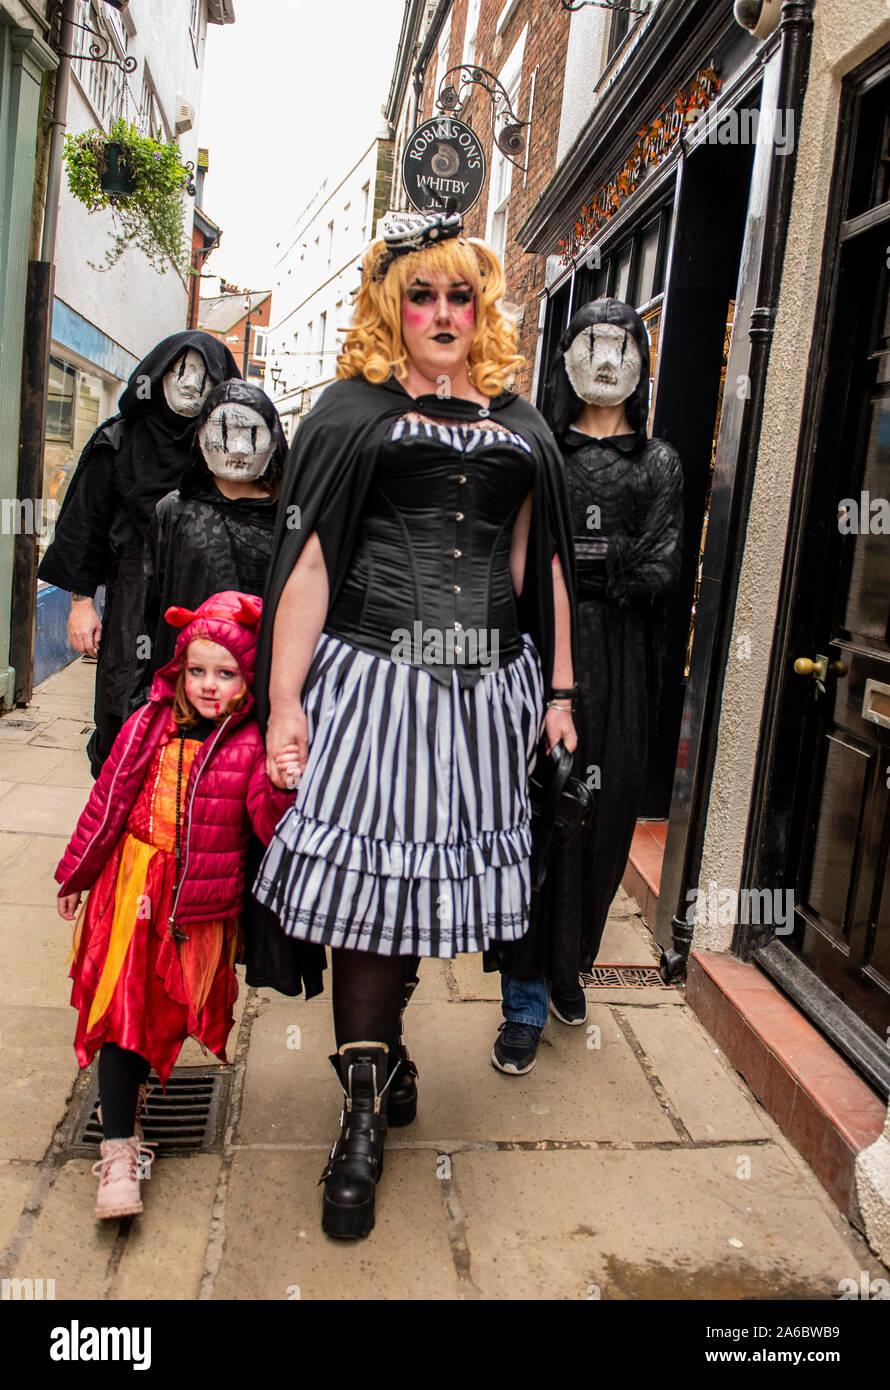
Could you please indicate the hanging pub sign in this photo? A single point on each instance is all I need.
(654, 143)
(443, 160)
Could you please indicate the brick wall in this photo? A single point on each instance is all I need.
(545, 49)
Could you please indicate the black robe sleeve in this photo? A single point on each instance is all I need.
(156, 542)
(80, 557)
(647, 565)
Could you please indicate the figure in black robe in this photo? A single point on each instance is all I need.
(126, 467)
(201, 542)
(625, 495)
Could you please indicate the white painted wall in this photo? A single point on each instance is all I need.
(585, 58)
(316, 275)
(132, 303)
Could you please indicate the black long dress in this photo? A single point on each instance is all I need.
(127, 465)
(627, 555)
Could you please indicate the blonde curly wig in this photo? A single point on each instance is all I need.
(373, 346)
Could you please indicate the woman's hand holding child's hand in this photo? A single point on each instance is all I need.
(287, 747)
(289, 765)
(68, 903)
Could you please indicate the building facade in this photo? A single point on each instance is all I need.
(729, 180)
(316, 276)
(27, 62)
(241, 321)
(104, 321)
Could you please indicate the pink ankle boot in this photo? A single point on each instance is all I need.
(118, 1171)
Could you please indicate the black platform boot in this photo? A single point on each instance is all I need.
(403, 1072)
(356, 1159)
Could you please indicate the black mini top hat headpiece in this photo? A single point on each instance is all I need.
(415, 232)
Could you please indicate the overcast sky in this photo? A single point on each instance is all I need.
(292, 94)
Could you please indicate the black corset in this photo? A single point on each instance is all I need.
(429, 581)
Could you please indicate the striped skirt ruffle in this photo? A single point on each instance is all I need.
(411, 833)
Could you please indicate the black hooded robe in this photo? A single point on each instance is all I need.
(201, 542)
(625, 495)
(126, 467)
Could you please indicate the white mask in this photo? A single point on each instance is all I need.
(187, 384)
(236, 442)
(603, 364)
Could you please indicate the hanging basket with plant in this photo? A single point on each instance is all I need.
(142, 182)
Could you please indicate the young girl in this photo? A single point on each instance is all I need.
(161, 845)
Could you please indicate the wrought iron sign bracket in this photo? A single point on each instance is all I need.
(639, 8)
(99, 50)
(451, 99)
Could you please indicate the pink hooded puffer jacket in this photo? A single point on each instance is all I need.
(227, 787)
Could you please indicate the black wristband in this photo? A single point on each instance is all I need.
(569, 694)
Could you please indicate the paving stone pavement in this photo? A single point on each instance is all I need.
(632, 1163)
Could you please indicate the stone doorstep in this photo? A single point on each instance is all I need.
(642, 873)
(816, 1097)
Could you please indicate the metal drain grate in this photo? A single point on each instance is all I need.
(623, 977)
(188, 1119)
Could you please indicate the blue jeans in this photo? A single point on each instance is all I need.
(525, 1001)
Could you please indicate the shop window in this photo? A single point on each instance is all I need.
(150, 122)
(76, 406)
(104, 82)
(60, 402)
(322, 335)
(621, 265)
(471, 32)
(366, 208)
(197, 16)
(647, 262)
(619, 27)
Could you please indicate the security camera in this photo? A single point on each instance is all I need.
(760, 17)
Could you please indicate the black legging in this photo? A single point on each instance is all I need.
(121, 1073)
(367, 991)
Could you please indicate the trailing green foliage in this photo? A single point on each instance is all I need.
(151, 216)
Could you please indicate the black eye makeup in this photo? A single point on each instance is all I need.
(419, 293)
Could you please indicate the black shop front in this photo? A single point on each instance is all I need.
(675, 197)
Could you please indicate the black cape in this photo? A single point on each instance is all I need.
(326, 477)
(127, 465)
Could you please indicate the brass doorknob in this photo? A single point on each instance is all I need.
(819, 668)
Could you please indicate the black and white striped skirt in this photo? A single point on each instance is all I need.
(411, 831)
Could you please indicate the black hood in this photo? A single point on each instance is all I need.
(219, 362)
(197, 478)
(565, 405)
